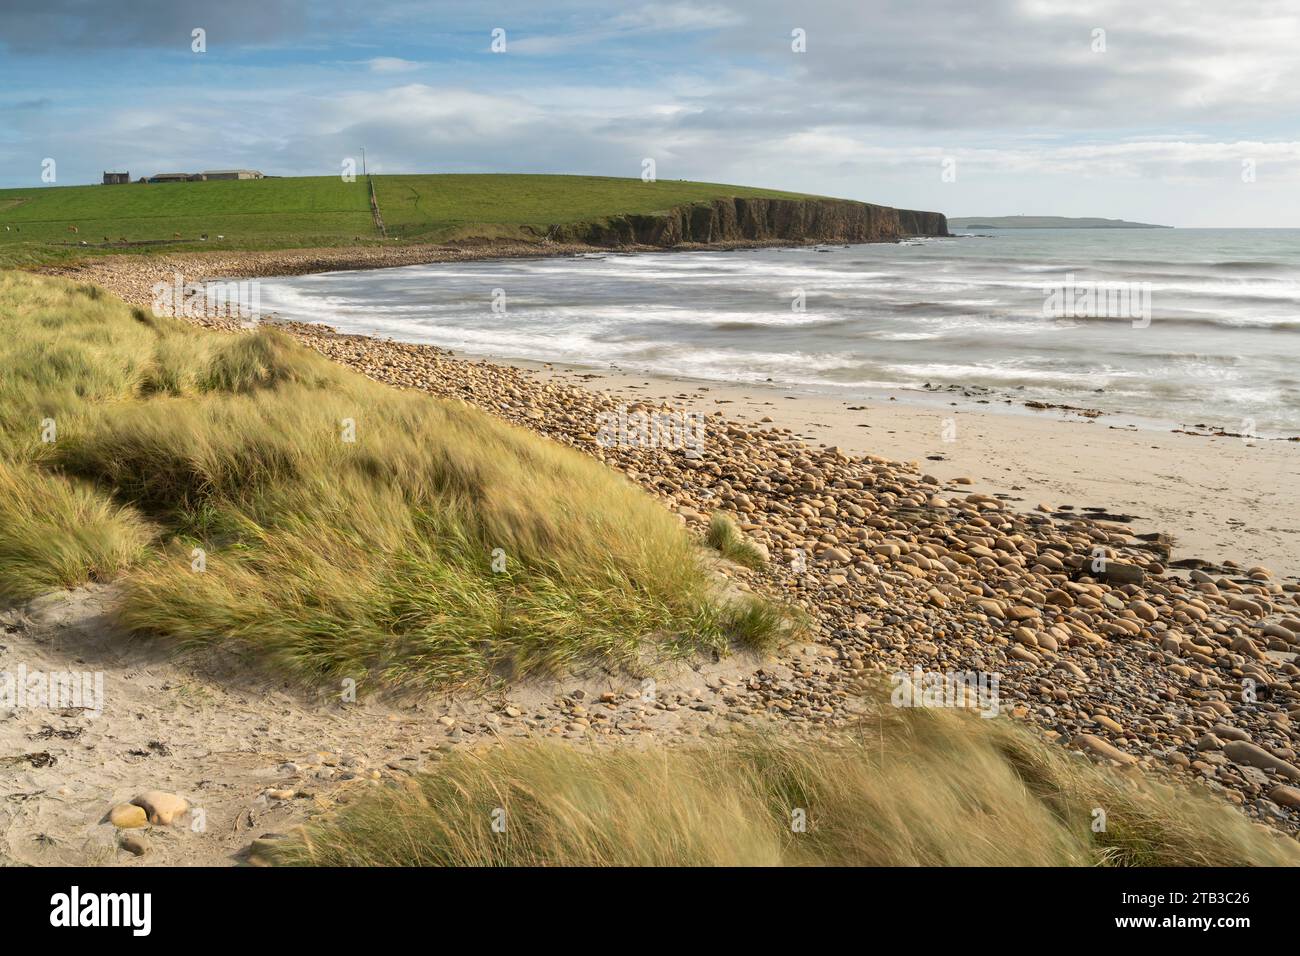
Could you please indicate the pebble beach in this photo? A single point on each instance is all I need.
(1122, 639)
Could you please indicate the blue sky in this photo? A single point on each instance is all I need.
(1017, 98)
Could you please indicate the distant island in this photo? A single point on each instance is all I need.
(1046, 222)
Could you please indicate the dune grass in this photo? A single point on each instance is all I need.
(909, 787)
(268, 501)
(56, 533)
(63, 349)
(731, 544)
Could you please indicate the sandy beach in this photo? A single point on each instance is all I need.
(1218, 498)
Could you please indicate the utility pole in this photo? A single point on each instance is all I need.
(363, 160)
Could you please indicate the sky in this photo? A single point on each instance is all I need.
(1181, 112)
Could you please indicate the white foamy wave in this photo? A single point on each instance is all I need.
(877, 316)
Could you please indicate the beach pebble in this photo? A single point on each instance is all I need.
(1280, 632)
(128, 816)
(1285, 796)
(1108, 724)
(161, 807)
(1121, 573)
(1248, 754)
(1102, 749)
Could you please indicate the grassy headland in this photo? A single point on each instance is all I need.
(322, 211)
(260, 498)
(433, 208)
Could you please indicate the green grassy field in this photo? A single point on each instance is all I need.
(434, 208)
(266, 213)
(304, 212)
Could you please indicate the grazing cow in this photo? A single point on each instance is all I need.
(73, 229)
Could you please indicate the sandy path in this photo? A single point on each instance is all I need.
(255, 757)
(163, 726)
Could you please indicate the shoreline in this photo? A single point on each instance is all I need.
(136, 272)
(951, 399)
(132, 277)
(1171, 481)
(1160, 479)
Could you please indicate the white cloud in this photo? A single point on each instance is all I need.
(393, 64)
(438, 112)
(1156, 159)
(1020, 63)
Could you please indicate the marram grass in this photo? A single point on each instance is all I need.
(262, 499)
(56, 533)
(731, 544)
(908, 787)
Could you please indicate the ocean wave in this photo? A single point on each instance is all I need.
(878, 317)
(756, 325)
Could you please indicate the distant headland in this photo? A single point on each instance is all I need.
(1046, 222)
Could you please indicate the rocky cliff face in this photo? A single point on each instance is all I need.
(725, 220)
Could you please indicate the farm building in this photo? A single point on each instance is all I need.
(231, 174)
(209, 175)
(116, 179)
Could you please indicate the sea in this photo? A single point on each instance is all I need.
(1180, 327)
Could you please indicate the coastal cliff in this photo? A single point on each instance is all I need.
(735, 219)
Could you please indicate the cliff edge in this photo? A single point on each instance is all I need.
(725, 220)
